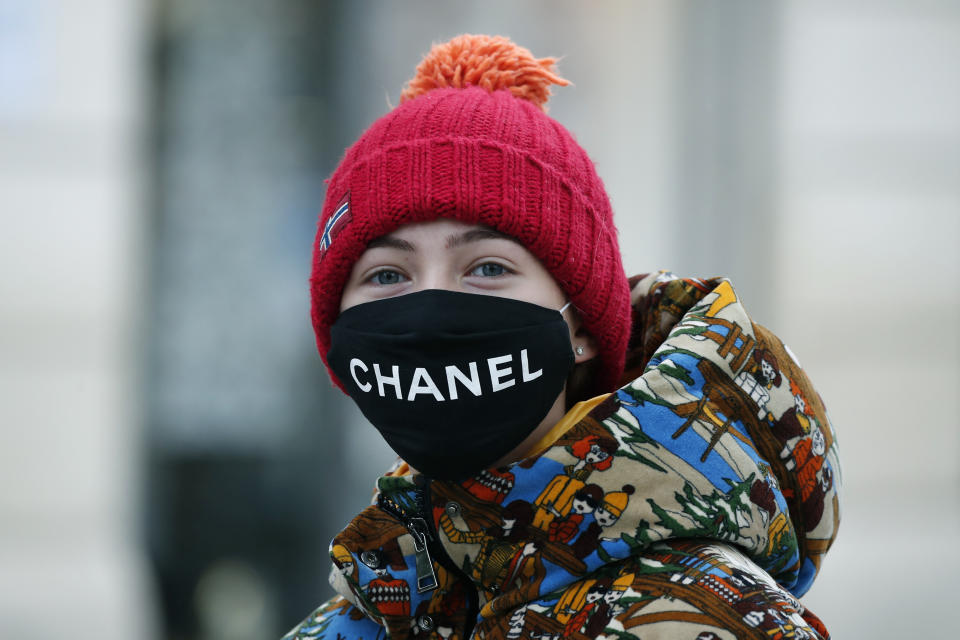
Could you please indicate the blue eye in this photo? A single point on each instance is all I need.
(387, 277)
(489, 270)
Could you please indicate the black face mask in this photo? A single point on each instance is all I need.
(453, 381)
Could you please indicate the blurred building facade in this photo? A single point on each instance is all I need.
(73, 100)
(174, 460)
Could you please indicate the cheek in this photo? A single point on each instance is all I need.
(538, 286)
(573, 334)
(352, 291)
(347, 300)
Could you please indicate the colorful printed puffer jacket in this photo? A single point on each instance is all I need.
(695, 502)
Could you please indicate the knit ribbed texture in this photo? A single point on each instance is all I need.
(487, 158)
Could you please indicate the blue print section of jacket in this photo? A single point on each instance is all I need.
(697, 501)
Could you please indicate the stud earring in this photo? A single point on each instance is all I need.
(579, 350)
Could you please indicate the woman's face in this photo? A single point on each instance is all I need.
(449, 254)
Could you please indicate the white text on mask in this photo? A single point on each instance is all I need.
(499, 368)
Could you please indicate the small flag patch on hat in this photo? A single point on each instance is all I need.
(335, 224)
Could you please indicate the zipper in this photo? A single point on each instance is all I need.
(426, 576)
(420, 526)
(473, 605)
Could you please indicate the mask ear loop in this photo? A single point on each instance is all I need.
(578, 349)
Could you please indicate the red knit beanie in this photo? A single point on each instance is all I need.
(470, 141)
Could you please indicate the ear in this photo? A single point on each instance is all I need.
(580, 337)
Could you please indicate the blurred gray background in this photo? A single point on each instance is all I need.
(173, 460)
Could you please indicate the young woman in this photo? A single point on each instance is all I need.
(582, 454)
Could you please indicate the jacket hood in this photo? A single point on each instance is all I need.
(716, 437)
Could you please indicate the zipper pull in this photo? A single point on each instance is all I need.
(426, 577)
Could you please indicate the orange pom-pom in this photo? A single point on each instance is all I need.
(491, 62)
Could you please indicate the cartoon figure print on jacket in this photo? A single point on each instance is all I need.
(696, 501)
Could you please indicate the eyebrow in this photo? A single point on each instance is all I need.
(390, 243)
(475, 235)
(452, 241)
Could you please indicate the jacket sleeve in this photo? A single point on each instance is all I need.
(336, 619)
